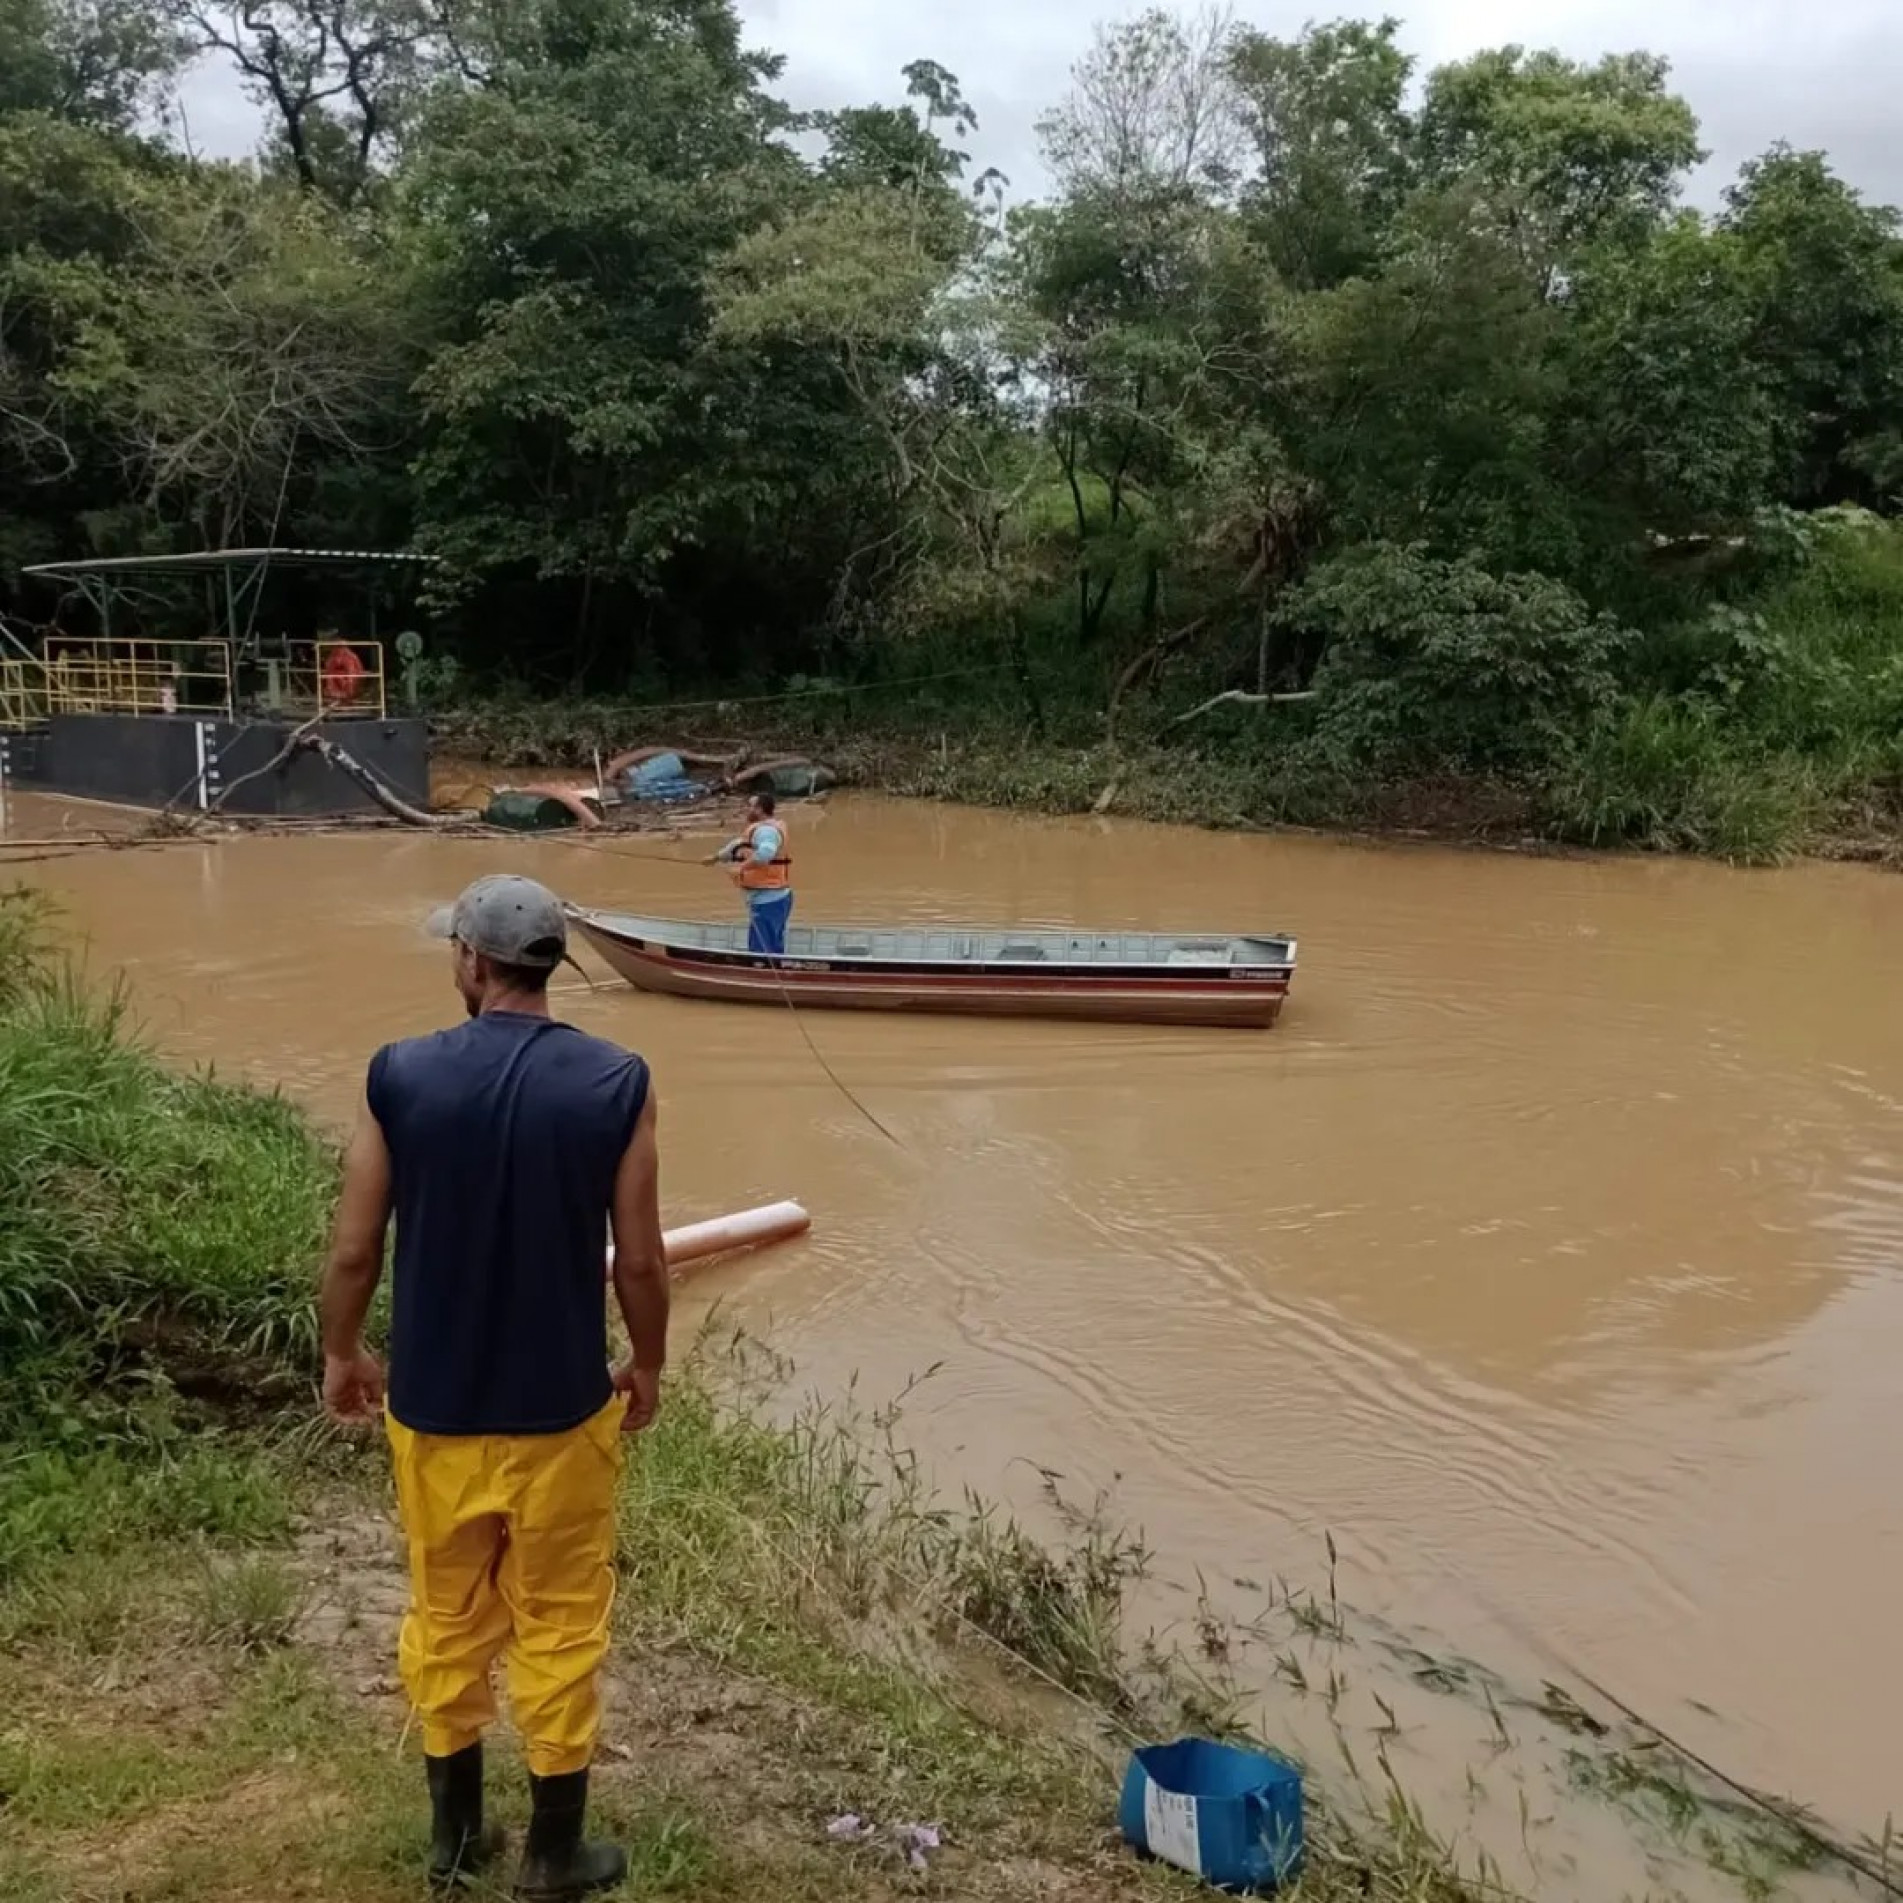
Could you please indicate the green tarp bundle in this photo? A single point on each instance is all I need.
(527, 812)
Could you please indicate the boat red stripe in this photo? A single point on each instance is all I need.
(983, 979)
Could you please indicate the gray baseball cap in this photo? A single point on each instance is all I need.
(508, 918)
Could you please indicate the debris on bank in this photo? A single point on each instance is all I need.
(649, 789)
(913, 1843)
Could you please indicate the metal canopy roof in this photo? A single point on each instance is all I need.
(234, 580)
(217, 558)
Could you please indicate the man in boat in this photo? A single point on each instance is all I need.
(505, 1149)
(763, 869)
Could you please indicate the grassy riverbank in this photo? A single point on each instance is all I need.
(1447, 704)
(198, 1587)
(1657, 783)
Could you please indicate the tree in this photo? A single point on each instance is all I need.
(1095, 333)
(99, 63)
(1108, 281)
(1825, 278)
(1422, 393)
(69, 205)
(1561, 153)
(1670, 413)
(891, 146)
(1332, 142)
(578, 201)
(334, 78)
(890, 283)
(1149, 114)
(682, 385)
(244, 343)
(1432, 665)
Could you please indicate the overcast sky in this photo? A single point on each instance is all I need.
(1823, 73)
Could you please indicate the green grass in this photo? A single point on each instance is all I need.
(809, 1551)
(1669, 777)
(827, 1513)
(158, 1232)
(246, 1602)
(55, 1502)
(158, 1238)
(802, 1632)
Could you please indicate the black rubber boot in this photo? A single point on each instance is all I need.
(557, 1864)
(459, 1845)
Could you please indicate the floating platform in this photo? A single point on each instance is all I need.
(188, 761)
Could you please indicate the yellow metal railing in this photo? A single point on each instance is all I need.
(343, 680)
(110, 676)
(22, 695)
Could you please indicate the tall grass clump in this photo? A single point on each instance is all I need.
(1672, 776)
(158, 1234)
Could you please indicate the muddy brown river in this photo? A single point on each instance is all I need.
(1549, 1255)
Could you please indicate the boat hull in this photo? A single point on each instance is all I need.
(1242, 998)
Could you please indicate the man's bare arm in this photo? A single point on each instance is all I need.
(640, 1256)
(356, 1249)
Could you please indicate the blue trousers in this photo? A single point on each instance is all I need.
(766, 923)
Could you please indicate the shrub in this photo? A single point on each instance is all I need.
(1815, 664)
(1432, 665)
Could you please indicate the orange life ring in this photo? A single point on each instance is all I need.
(342, 675)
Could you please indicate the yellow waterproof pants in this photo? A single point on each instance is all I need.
(511, 1543)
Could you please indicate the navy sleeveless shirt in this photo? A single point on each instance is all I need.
(505, 1136)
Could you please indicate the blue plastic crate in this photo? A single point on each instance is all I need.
(1229, 1816)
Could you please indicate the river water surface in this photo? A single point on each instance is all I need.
(1549, 1254)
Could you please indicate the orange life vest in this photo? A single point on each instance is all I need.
(777, 874)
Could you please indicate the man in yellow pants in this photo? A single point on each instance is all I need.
(505, 1149)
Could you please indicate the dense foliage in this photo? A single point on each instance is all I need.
(1427, 393)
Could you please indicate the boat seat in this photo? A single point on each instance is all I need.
(1204, 954)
